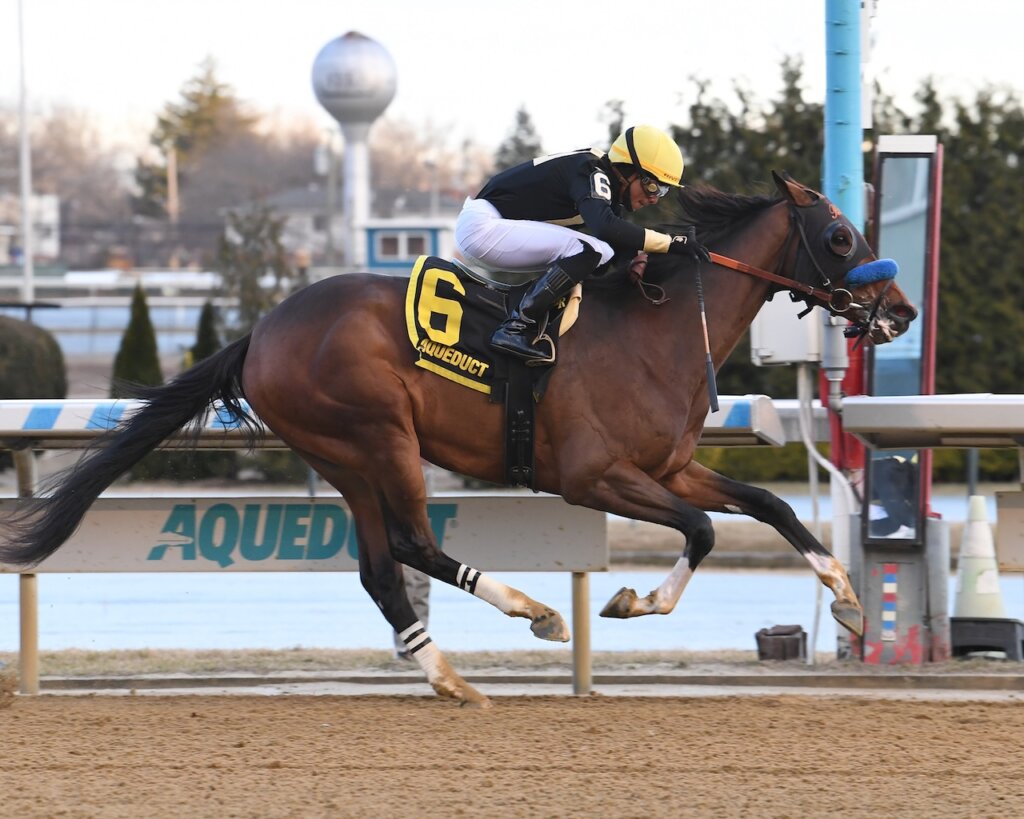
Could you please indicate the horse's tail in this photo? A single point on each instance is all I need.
(42, 524)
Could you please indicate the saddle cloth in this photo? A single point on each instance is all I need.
(450, 315)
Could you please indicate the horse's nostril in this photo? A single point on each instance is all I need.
(902, 311)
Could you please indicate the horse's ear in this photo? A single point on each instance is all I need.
(793, 190)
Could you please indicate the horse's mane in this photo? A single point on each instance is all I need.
(716, 213)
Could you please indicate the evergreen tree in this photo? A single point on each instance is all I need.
(248, 253)
(521, 145)
(137, 361)
(736, 150)
(201, 463)
(207, 338)
(981, 290)
(208, 112)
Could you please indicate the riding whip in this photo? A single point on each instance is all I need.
(712, 385)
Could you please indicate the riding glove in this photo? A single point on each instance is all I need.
(686, 244)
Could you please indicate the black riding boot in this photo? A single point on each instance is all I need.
(518, 333)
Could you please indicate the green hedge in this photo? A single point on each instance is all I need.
(789, 463)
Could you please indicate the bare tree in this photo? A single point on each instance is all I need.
(71, 159)
(406, 157)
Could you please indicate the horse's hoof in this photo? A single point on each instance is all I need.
(462, 692)
(621, 605)
(849, 616)
(550, 626)
(471, 698)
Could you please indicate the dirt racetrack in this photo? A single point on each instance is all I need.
(392, 756)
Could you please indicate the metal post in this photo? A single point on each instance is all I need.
(582, 676)
(972, 471)
(28, 587)
(173, 203)
(330, 254)
(843, 183)
(25, 167)
(936, 544)
(28, 657)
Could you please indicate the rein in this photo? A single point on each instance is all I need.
(836, 300)
(792, 284)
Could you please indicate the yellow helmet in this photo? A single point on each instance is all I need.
(652, 150)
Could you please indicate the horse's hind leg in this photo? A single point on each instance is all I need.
(400, 498)
(398, 477)
(412, 543)
(381, 576)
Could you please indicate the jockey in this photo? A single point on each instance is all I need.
(523, 220)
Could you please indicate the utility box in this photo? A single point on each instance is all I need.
(777, 337)
(905, 595)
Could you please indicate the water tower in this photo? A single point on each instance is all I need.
(354, 78)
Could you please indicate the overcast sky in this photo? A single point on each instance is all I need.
(467, 66)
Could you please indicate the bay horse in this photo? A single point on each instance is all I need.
(331, 372)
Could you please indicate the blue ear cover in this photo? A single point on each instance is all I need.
(877, 270)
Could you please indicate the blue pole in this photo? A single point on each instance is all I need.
(843, 183)
(843, 167)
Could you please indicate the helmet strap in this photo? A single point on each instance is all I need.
(623, 187)
(632, 150)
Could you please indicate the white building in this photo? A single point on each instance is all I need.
(44, 210)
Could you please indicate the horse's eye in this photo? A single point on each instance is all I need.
(839, 240)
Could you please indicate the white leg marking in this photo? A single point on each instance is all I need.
(504, 598)
(414, 637)
(430, 660)
(665, 597)
(832, 574)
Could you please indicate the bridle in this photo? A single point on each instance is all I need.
(832, 296)
(842, 241)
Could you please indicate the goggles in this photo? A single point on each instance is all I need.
(652, 187)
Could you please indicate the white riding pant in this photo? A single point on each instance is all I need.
(495, 244)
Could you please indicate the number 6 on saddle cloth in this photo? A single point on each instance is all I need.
(450, 314)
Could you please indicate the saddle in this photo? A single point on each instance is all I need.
(451, 312)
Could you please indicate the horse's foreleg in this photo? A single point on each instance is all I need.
(713, 492)
(663, 600)
(626, 490)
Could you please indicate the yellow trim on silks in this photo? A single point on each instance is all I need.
(410, 300)
(656, 242)
(572, 309)
(427, 364)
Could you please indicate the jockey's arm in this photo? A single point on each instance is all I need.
(603, 224)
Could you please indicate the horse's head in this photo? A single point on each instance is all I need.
(832, 255)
